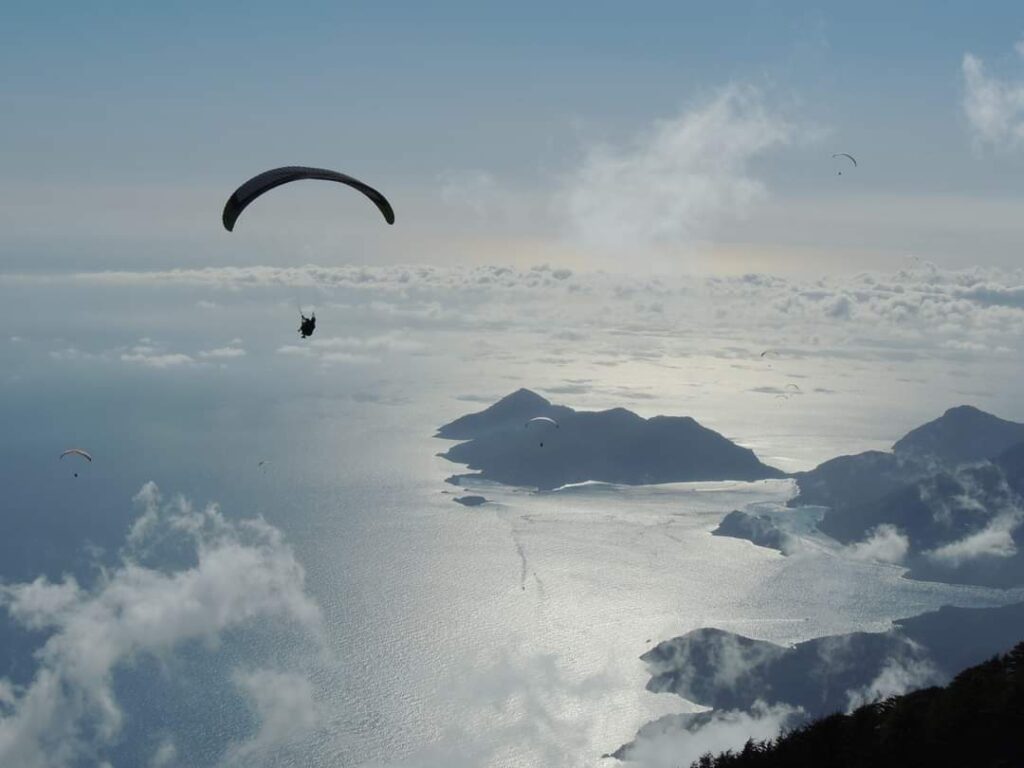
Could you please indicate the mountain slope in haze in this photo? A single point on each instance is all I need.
(614, 446)
(726, 671)
(848, 481)
(962, 525)
(977, 720)
(961, 435)
(949, 500)
(740, 677)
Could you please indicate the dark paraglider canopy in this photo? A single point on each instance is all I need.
(77, 452)
(851, 158)
(267, 180)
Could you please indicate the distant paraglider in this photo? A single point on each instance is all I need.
(538, 421)
(266, 181)
(307, 325)
(77, 452)
(851, 158)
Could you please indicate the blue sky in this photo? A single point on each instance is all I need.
(113, 104)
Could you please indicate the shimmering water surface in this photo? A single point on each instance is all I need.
(503, 635)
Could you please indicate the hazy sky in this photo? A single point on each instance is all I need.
(547, 163)
(127, 125)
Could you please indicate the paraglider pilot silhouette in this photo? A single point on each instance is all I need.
(308, 325)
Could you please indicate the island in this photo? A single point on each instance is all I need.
(470, 501)
(525, 440)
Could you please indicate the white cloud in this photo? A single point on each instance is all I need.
(993, 541)
(73, 354)
(678, 180)
(381, 343)
(294, 349)
(348, 357)
(165, 756)
(898, 676)
(151, 357)
(223, 353)
(884, 544)
(923, 311)
(994, 107)
(672, 746)
(286, 708)
(352, 350)
(243, 573)
(475, 190)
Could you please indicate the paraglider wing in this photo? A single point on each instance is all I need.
(267, 180)
(543, 419)
(851, 158)
(76, 452)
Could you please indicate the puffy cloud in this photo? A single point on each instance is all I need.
(166, 755)
(285, 705)
(668, 744)
(994, 107)
(475, 190)
(382, 343)
(993, 295)
(223, 353)
(240, 573)
(151, 359)
(353, 350)
(73, 354)
(884, 544)
(993, 541)
(679, 179)
(898, 676)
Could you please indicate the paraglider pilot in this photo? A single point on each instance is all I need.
(308, 325)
